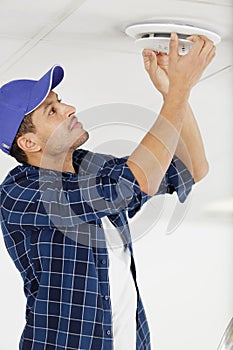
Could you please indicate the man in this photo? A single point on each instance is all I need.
(54, 205)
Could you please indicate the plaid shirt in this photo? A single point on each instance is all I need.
(51, 222)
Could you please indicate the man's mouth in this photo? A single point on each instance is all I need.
(75, 123)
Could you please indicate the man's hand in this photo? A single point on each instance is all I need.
(185, 71)
(156, 65)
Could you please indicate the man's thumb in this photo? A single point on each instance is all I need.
(173, 50)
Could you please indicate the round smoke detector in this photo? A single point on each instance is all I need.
(156, 36)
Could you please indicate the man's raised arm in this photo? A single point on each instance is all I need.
(152, 157)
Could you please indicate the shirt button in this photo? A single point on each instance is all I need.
(106, 297)
(103, 262)
(108, 332)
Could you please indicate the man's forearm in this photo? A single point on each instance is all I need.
(152, 157)
(190, 148)
(174, 132)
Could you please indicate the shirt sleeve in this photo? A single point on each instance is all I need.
(56, 202)
(61, 200)
(113, 189)
(177, 179)
(117, 189)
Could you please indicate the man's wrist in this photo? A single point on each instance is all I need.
(159, 88)
(177, 93)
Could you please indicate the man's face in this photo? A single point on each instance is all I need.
(57, 128)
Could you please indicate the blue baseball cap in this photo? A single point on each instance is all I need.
(21, 97)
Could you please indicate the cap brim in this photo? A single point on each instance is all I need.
(43, 86)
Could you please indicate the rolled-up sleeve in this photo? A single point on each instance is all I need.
(177, 179)
(113, 189)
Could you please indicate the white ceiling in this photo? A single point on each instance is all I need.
(103, 66)
(100, 24)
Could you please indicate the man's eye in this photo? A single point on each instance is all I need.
(52, 111)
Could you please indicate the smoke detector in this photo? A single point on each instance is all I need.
(156, 36)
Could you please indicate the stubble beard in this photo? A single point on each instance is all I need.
(81, 140)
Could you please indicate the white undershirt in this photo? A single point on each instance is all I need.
(122, 290)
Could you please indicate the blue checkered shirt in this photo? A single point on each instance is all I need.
(51, 222)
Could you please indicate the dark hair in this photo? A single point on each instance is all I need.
(26, 126)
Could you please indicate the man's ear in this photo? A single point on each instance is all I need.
(29, 143)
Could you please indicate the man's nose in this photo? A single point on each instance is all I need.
(68, 111)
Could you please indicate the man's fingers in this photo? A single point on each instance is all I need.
(147, 53)
(150, 60)
(203, 37)
(198, 44)
(173, 49)
(207, 46)
(208, 50)
(211, 55)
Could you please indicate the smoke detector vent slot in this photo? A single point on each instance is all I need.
(156, 36)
